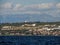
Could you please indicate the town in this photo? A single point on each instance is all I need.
(29, 29)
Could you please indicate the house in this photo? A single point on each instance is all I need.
(33, 24)
(6, 28)
(28, 25)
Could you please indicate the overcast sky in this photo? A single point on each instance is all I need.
(51, 7)
(29, 6)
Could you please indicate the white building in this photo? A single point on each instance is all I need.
(33, 24)
(6, 28)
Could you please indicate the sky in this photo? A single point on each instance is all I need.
(31, 7)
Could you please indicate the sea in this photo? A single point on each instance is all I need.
(29, 40)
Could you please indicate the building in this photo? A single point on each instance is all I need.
(6, 28)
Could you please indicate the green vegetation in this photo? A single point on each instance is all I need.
(38, 23)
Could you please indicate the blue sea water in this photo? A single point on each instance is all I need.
(29, 40)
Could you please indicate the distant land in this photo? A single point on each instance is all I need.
(12, 18)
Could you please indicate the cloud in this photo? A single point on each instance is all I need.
(58, 5)
(32, 12)
(42, 5)
(33, 7)
(17, 7)
(6, 5)
(9, 8)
